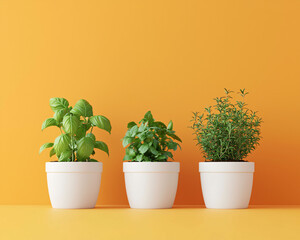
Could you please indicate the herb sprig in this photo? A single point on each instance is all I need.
(228, 131)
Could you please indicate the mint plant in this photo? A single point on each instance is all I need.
(77, 141)
(228, 131)
(151, 141)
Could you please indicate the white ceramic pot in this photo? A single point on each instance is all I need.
(73, 184)
(151, 185)
(226, 185)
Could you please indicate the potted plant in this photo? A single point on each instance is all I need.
(74, 180)
(227, 133)
(151, 181)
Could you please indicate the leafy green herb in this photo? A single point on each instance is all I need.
(227, 131)
(151, 141)
(75, 143)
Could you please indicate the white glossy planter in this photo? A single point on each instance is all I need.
(73, 184)
(151, 185)
(226, 185)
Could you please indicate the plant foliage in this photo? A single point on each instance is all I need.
(227, 131)
(150, 141)
(76, 142)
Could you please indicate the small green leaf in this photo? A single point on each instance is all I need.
(170, 125)
(146, 159)
(154, 151)
(139, 158)
(46, 145)
(130, 152)
(142, 128)
(58, 115)
(71, 123)
(102, 146)
(80, 133)
(127, 158)
(91, 135)
(87, 126)
(49, 122)
(101, 122)
(92, 160)
(82, 108)
(52, 152)
(162, 157)
(148, 116)
(160, 124)
(61, 144)
(127, 140)
(134, 130)
(65, 156)
(85, 147)
(144, 148)
(131, 124)
(172, 145)
(142, 136)
(172, 135)
(168, 154)
(57, 104)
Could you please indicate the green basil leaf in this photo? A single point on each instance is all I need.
(57, 104)
(81, 131)
(101, 122)
(52, 152)
(61, 144)
(46, 145)
(71, 124)
(85, 147)
(87, 126)
(102, 146)
(82, 108)
(65, 156)
(58, 115)
(91, 135)
(49, 122)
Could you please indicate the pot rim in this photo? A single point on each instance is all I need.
(151, 167)
(74, 167)
(226, 167)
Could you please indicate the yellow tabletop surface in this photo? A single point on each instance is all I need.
(43, 222)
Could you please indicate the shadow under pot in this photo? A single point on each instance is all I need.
(151, 185)
(73, 184)
(226, 185)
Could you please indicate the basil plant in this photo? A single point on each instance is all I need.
(151, 141)
(76, 142)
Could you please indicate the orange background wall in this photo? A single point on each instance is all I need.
(126, 57)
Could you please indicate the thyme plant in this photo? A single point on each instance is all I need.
(151, 141)
(77, 141)
(228, 131)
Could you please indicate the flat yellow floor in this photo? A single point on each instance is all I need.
(43, 222)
